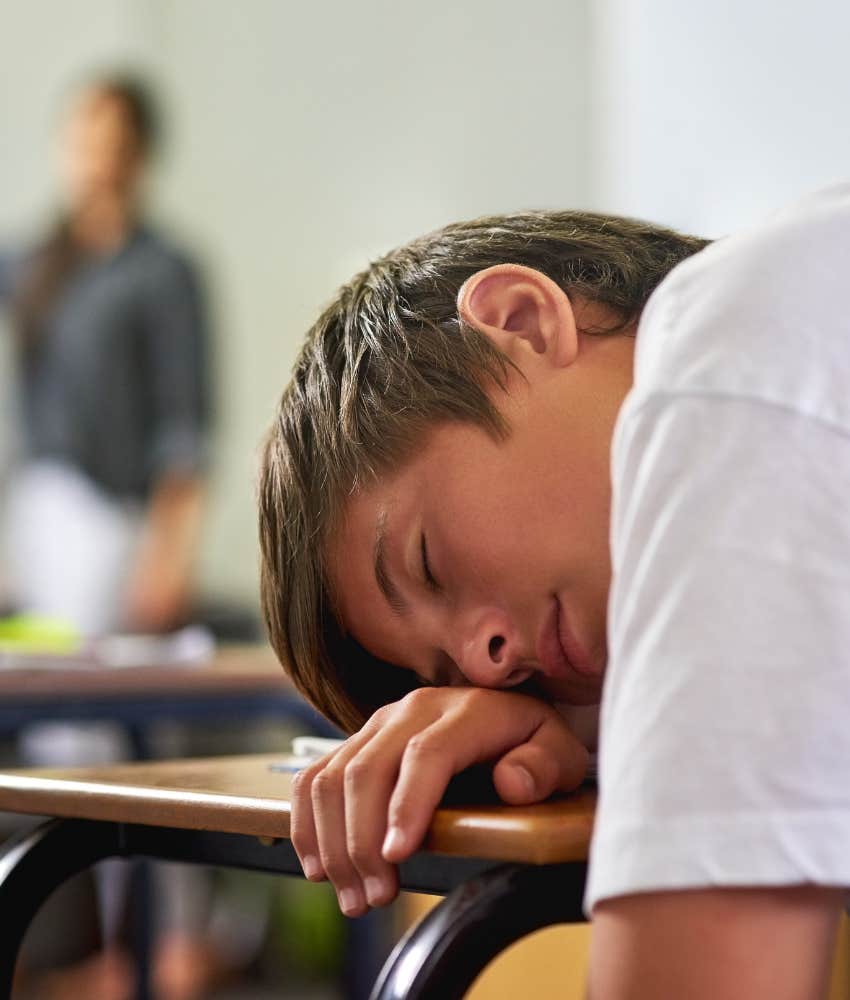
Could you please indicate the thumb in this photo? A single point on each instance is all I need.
(551, 760)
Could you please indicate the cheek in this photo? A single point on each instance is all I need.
(522, 529)
(491, 535)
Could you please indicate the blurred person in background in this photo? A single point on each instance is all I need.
(104, 500)
(105, 503)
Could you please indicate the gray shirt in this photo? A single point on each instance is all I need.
(118, 382)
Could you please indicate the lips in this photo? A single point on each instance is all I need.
(558, 651)
(550, 648)
(574, 653)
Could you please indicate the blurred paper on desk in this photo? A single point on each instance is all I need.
(306, 750)
(192, 645)
(54, 649)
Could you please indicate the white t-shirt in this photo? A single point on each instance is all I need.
(725, 725)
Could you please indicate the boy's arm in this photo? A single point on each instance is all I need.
(715, 944)
(391, 775)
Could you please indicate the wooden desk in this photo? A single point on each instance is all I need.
(239, 681)
(232, 667)
(509, 871)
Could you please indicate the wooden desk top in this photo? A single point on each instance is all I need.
(242, 795)
(236, 668)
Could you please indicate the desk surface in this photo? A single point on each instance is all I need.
(242, 795)
(235, 668)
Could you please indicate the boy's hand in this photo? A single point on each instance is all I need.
(367, 806)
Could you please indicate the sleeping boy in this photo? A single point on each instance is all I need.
(536, 463)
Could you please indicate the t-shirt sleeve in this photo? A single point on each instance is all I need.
(725, 728)
(177, 347)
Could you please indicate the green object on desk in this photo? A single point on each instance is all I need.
(38, 634)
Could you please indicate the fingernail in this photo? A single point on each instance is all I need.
(311, 866)
(375, 890)
(349, 901)
(525, 778)
(394, 841)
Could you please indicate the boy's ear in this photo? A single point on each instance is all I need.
(526, 315)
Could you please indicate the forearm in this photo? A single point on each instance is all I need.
(172, 528)
(160, 582)
(715, 944)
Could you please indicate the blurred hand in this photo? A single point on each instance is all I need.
(362, 809)
(158, 595)
(160, 586)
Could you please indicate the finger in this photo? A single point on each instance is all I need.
(369, 780)
(330, 819)
(302, 820)
(489, 725)
(551, 760)
(302, 827)
(328, 798)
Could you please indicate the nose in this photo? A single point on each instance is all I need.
(488, 651)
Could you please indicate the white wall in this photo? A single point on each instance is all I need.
(709, 115)
(306, 138)
(44, 46)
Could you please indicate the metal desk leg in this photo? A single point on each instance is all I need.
(142, 901)
(442, 955)
(33, 864)
(142, 881)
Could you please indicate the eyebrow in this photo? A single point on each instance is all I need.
(394, 598)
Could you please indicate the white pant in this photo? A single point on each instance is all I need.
(69, 546)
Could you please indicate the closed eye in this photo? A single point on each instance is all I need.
(430, 582)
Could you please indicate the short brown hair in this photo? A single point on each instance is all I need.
(387, 360)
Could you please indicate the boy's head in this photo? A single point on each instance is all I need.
(434, 493)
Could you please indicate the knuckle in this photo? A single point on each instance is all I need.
(420, 698)
(326, 785)
(300, 784)
(381, 716)
(337, 865)
(469, 697)
(356, 775)
(361, 853)
(464, 701)
(421, 745)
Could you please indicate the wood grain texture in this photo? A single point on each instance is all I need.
(243, 795)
